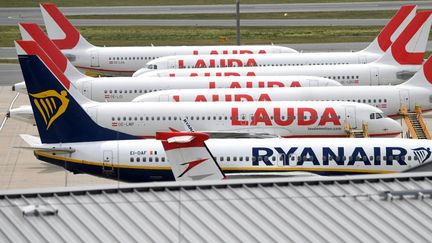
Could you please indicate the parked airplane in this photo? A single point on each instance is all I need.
(123, 89)
(53, 96)
(124, 61)
(397, 65)
(371, 53)
(417, 91)
(191, 158)
(134, 160)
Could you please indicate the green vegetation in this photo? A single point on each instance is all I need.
(162, 35)
(9, 61)
(281, 15)
(69, 3)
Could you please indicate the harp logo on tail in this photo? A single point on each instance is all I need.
(422, 154)
(51, 105)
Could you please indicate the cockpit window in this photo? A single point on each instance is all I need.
(376, 116)
(151, 66)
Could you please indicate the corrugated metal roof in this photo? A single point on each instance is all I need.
(373, 208)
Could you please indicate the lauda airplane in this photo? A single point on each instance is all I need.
(397, 65)
(417, 91)
(124, 61)
(98, 151)
(123, 89)
(373, 52)
(55, 98)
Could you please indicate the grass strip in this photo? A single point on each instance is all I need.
(167, 35)
(87, 3)
(9, 60)
(281, 15)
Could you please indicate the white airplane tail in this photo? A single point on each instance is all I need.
(60, 29)
(32, 31)
(189, 156)
(392, 30)
(423, 77)
(410, 47)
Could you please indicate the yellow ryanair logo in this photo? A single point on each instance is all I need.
(51, 105)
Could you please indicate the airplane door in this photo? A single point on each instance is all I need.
(275, 50)
(362, 60)
(163, 98)
(86, 89)
(313, 83)
(374, 76)
(404, 98)
(350, 114)
(107, 161)
(94, 58)
(171, 63)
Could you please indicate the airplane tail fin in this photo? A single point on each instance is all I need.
(60, 29)
(392, 30)
(189, 157)
(410, 47)
(423, 77)
(56, 104)
(32, 31)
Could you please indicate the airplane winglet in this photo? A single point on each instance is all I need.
(189, 157)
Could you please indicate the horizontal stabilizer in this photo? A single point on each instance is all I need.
(35, 144)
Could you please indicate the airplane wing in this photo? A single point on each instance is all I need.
(226, 134)
(189, 157)
(425, 167)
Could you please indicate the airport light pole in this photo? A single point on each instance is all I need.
(238, 21)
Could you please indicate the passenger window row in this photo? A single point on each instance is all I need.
(147, 159)
(220, 118)
(341, 77)
(337, 158)
(135, 91)
(267, 65)
(131, 58)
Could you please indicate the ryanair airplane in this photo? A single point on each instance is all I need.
(70, 138)
(143, 120)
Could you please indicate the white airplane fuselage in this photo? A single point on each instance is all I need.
(285, 119)
(256, 60)
(124, 61)
(387, 98)
(145, 160)
(124, 89)
(350, 74)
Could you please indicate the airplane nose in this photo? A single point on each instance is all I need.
(393, 127)
(141, 71)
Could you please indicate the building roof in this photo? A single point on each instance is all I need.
(372, 208)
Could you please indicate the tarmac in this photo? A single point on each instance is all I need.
(19, 169)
